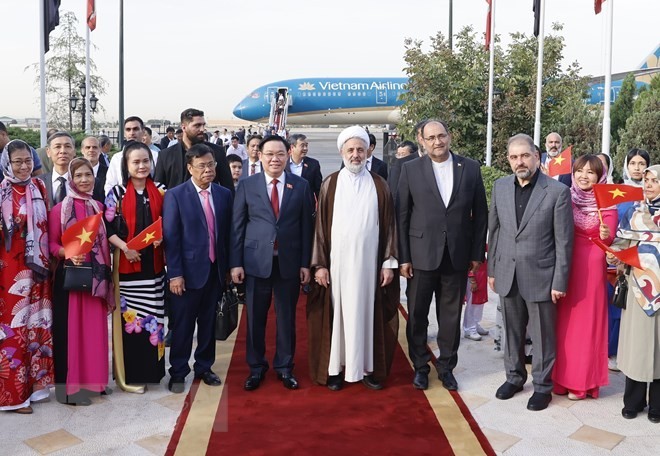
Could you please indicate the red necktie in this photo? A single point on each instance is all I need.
(275, 203)
(210, 222)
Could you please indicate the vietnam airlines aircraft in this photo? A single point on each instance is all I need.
(337, 101)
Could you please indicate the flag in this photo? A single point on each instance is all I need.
(147, 236)
(79, 238)
(51, 19)
(608, 195)
(561, 164)
(536, 7)
(598, 5)
(91, 14)
(629, 256)
(488, 31)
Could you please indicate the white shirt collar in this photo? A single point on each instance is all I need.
(199, 189)
(270, 178)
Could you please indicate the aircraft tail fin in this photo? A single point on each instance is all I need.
(652, 60)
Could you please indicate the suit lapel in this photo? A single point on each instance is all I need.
(262, 189)
(287, 193)
(195, 201)
(429, 175)
(458, 165)
(538, 194)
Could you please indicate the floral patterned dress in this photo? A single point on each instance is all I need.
(26, 347)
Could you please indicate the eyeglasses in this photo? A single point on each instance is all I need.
(19, 163)
(281, 156)
(202, 166)
(433, 139)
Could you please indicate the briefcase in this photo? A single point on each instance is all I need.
(226, 314)
(78, 278)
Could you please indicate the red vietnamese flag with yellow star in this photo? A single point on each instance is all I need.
(561, 164)
(629, 256)
(608, 195)
(79, 238)
(598, 6)
(147, 236)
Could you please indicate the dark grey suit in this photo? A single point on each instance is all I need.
(527, 262)
(440, 241)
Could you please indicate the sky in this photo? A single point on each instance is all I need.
(209, 54)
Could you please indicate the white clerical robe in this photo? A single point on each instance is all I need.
(353, 260)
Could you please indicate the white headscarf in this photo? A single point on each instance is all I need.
(352, 132)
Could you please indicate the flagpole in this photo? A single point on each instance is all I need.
(88, 111)
(120, 140)
(539, 76)
(43, 125)
(489, 129)
(608, 78)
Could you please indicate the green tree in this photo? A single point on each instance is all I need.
(622, 108)
(65, 69)
(454, 87)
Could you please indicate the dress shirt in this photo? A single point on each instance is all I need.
(240, 151)
(296, 169)
(444, 178)
(280, 186)
(113, 177)
(368, 164)
(522, 195)
(95, 168)
(201, 198)
(257, 168)
(56, 183)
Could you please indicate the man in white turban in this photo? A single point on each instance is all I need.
(352, 307)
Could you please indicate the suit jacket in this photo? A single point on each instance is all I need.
(538, 252)
(563, 178)
(395, 172)
(426, 225)
(171, 169)
(246, 170)
(97, 192)
(255, 229)
(311, 172)
(185, 233)
(164, 142)
(100, 176)
(378, 166)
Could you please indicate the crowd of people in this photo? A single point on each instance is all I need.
(258, 213)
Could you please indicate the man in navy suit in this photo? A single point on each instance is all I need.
(252, 165)
(302, 165)
(271, 247)
(196, 224)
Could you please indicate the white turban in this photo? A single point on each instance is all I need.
(350, 133)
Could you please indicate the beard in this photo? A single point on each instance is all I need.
(354, 167)
(195, 139)
(524, 173)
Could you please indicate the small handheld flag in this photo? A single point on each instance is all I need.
(629, 256)
(148, 236)
(608, 195)
(79, 238)
(561, 164)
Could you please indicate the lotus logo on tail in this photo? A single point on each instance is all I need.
(306, 86)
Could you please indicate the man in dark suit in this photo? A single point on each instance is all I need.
(406, 151)
(252, 165)
(302, 165)
(442, 215)
(172, 170)
(374, 164)
(165, 140)
(529, 256)
(553, 147)
(196, 224)
(271, 241)
(61, 150)
(91, 150)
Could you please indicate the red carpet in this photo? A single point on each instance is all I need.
(313, 419)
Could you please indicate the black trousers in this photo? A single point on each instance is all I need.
(194, 307)
(258, 296)
(634, 396)
(449, 286)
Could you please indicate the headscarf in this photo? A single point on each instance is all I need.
(100, 255)
(36, 212)
(610, 168)
(626, 177)
(352, 132)
(585, 209)
(641, 224)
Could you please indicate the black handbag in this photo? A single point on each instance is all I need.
(226, 314)
(620, 291)
(78, 278)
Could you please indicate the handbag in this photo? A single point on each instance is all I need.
(620, 291)
(78, 278)
(226, 314)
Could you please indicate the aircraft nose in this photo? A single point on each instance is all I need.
(238, 111)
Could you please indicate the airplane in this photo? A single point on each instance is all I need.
(351, 101)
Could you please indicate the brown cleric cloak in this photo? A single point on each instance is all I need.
(386, 301)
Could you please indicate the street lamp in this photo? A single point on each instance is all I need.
(73, 102)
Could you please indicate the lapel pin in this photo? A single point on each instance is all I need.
(289, 186)
(305, 165)
(460, 164)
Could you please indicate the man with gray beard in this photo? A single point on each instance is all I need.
(352, 307)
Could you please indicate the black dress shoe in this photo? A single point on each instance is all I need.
(370, 382)
(507, 390)
(421, 380)
(253, 382)
(448, 381)
(539, 401)
(177, 385)
(629, 414)
(209, 378)
(288, 380)
(654, 416)
(335, 382)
